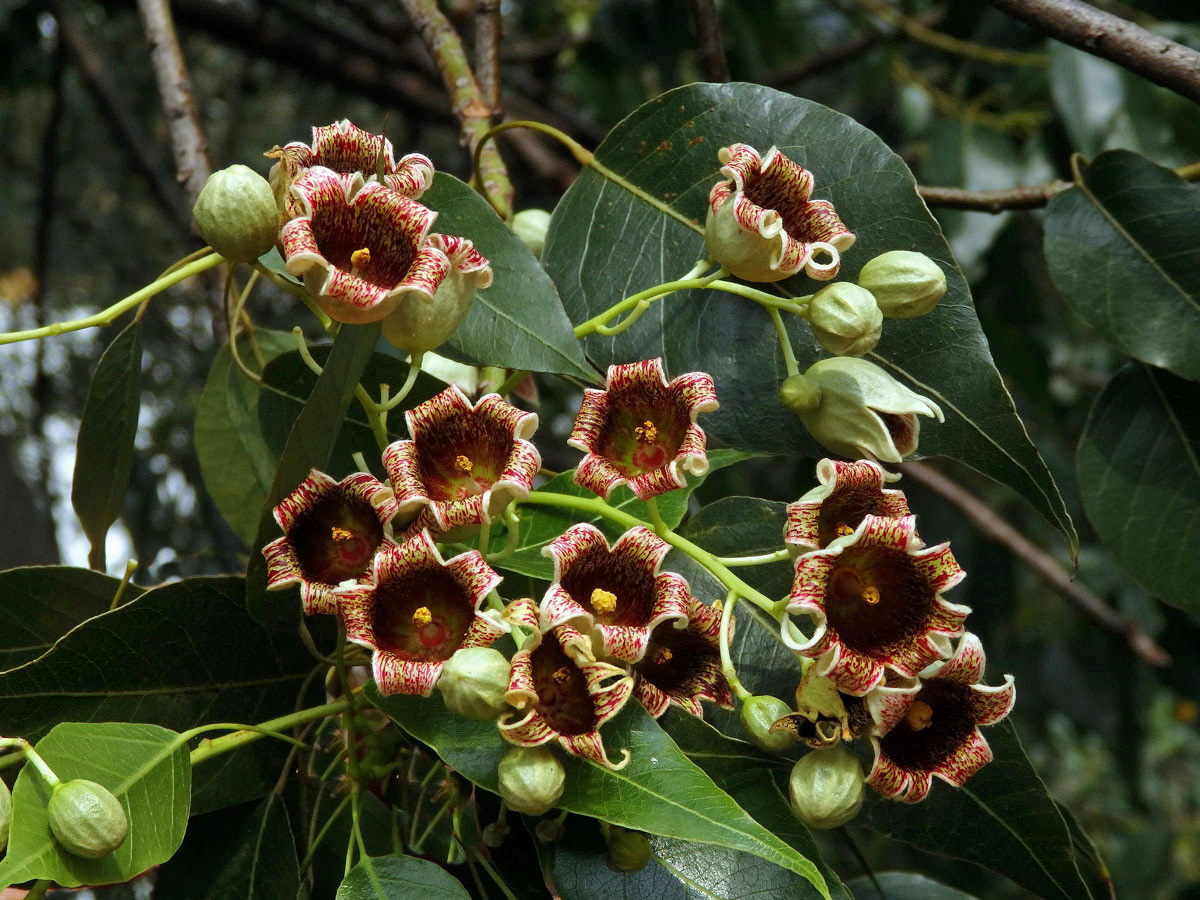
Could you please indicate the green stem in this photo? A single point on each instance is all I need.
(438, 816)
(310, 645)
(296, 291)
(512, 381)
(130, 567)
(495, 876)
(216, 746)
(414, 369)
(640, 301)
(656, 518)
(38, 891)
(316, 841)
(761, 559)
(33, 757)
(118, 309)
(512, 524)
(785, 343)
(485, 535)
(727, 668)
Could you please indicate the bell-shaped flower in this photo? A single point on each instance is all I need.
(763, 224)
(416, 610)
(875, 599)
(331, 532)
(856, 409)
(464, 463)
(931, 727)
(363, 249)
(683, 665)
(560, 691)
(619, 595)
(848, 492)
(345, 148)
(641, 430)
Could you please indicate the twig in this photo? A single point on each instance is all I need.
(923, 34)
(1102, 34)
(445, 46)
(708, 41)
(175, 89)
(487, 52)
(1041, 562)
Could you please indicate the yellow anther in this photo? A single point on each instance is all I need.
(920, 716)
(603, 602)
(646, 432)
(870, 594)
(561, 674)
(464, 464)
(843, 529)
(340, 534)
(422, 616)
(360, 257)
(662, 655)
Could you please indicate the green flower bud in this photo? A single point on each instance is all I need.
(628, 851)
(905, 284)
(531, 226)
(864, 411)
(236, 213)
(87, 819)
(845, 320)
(473, 683)
(5, 814)
(826, 787)
(757, 715)
(800, 394)
(531, 780)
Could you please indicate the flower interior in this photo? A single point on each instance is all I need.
(462, 457)
(614, 590)
(938, 723)
(336, 539)
(785, 189)
(902, 428)
(843, 511)
(357, 239)
(422, 615)
(875, 597)
(562, 690)
(675, 658)
(645, 427)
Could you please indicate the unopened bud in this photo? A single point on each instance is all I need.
(87, 819)
(531, 780)
(757, 715)
(845, 319)
(800, 394)
(531, 226)
(826, 787)
(5, 814)
(905, 284)
(236, 213)
(473, 683)
(628, 851)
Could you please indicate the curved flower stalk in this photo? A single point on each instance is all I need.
(332, 530)
(876, 600)
(848, 492)
(683, 665)
(363, 249)
(931, 728)
(641, 430)
(618, 594)
(564, 693)
(464, 463)
(345, 148)
(762, 223)
(417, 610)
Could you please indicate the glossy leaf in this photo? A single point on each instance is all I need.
(235, 461)
(659, 791)
(519, 321)
(39, 604)
(246, 853)
(606, 242)
(1002, 819)
(145, 766)
(540, 524)
(1121, 250)
(107, 429)
(397, 875)
(904, 886)
(745, 526)
(1138, 464)
(309, 445)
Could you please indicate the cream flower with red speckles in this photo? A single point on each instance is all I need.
(416, 610)
(876, 600)
(931, 729)
(762, 224)
(619, 593)
(683, 665)
(562, 692)
(331, 532)
(464, 463)
(641, 430)
(848, 492)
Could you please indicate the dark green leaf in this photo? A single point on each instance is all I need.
(745, 526)
(606, 242)
(397, 875)
(542, 524)
(145, 766)
(1139, 473)
(179, 656)
(519, 321)
(660, 791)
(1002, 819)
(904, 886)
(104, 453)
(1121, 248)
(309, 445)
(235, 461)
(246, 853)
(39, 604)
(312, 800)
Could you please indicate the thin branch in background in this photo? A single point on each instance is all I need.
(1110, 37)
(708, 40)
(918, 31)
(1041, 562)
(474, 114)
(175, 90)
(487, 52)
